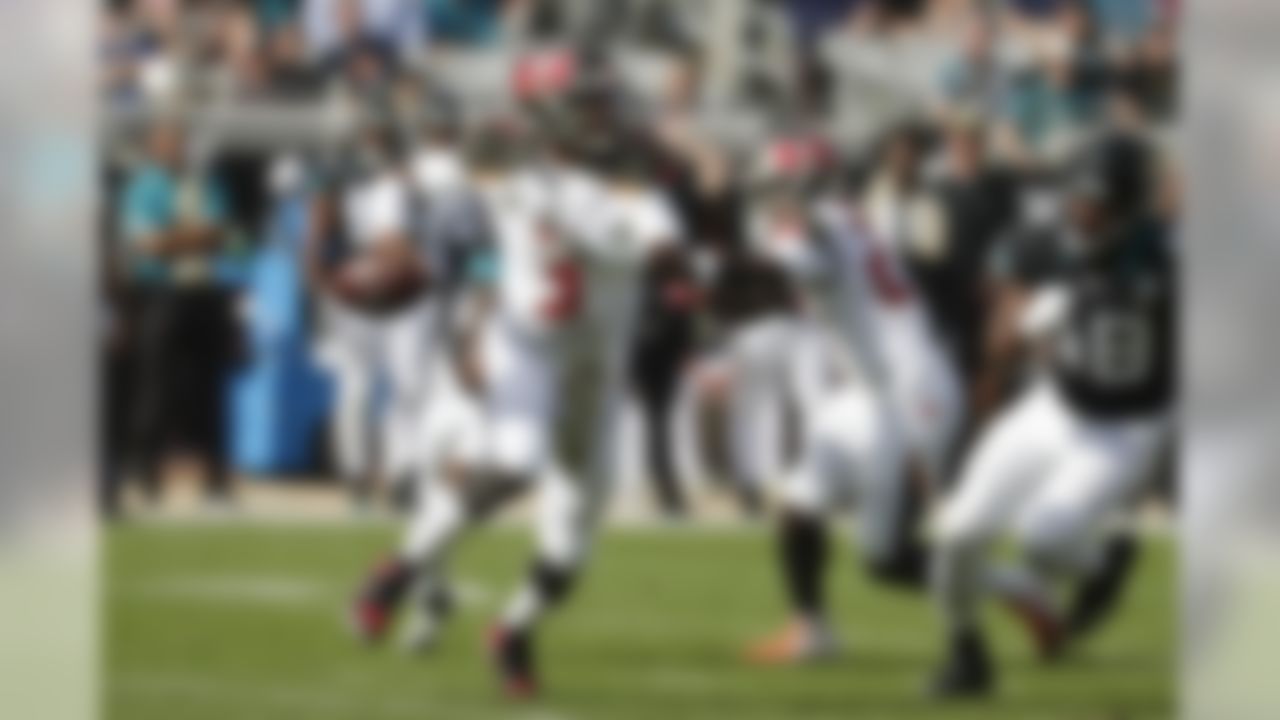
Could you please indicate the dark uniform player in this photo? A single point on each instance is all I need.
(1097, 297)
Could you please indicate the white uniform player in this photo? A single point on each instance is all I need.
(557, 348)
(858, 289)
(898, 406)
(364, 347)
(875, 303)
(571, 249)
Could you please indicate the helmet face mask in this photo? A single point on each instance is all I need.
(1107, 187)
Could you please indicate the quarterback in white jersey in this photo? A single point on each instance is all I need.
(571, 245)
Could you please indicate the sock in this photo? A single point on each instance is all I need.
(955, 581)
(546, 587)
(804, 559)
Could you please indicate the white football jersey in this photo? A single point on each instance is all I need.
(573, 249)
(856, 283)
(860, 287)
(632, 224)
(528, 252)
(376, 209)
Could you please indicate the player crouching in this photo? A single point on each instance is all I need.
(1077, 445)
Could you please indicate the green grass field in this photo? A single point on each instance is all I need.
(227, 622)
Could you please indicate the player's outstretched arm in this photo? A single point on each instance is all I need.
(1002, 349)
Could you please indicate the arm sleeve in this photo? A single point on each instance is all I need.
(1045, 312)
(798, 256)
(658, 224)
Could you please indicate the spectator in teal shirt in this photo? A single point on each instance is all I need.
(175, 230)
(173, 218)
(464, 22)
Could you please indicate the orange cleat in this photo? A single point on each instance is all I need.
(799, 641)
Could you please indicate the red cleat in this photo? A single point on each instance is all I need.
(369, 621)
(1047, 630)
(373, 609)
(512, 656)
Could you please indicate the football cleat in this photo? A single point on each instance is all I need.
(422, 632)
(427, 622)
(368, 621)
(512, 655)
(1043, 624)
(799, 641)
(371, 613)
(1100, 594)
(967, 671)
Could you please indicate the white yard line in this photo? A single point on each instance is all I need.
(309, 702)
(302, 702)
(274, 591)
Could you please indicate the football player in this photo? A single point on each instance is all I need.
(879, 440)
(1096, 298)
(572, 238)
(373, 282)
(606, 224)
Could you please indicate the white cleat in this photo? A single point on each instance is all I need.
(421, 633)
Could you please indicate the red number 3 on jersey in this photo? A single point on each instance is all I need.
(564, 300)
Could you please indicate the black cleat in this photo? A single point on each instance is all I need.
(374, 607)
(512, 653)
(1099, 595)
(967, 672)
